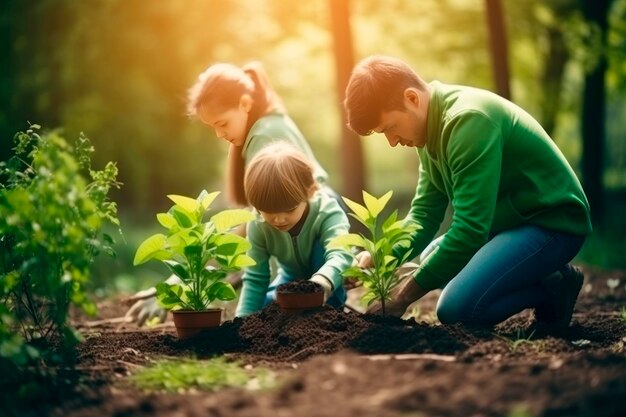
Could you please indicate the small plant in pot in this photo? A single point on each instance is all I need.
(384, 235)
(201, 253)
(299, 295)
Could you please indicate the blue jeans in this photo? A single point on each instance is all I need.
(504, 276)
(336, 299)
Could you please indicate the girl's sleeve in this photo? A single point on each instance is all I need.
(334, 223)
(256, 278)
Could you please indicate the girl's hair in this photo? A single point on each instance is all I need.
(220, 88)
(279, 178)
(377, 85)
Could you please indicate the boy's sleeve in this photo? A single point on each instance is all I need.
(256, 278)
(334, 223)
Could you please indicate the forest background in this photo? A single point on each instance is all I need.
(118, 70)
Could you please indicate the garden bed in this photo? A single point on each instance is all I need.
(335, 363)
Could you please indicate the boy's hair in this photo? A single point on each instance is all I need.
(377, 85)
(279, 178)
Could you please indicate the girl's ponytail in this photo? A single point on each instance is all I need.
(265, 101)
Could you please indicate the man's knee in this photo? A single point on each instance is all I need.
(451, 313)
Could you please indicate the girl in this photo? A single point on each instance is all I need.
(296, 221)
(243, 109)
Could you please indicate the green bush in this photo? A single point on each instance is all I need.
(52, 210)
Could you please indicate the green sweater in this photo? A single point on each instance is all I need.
(324, 221)
(498, 168)
(279, 127)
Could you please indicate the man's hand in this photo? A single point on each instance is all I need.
(324, 283)
(407, 292)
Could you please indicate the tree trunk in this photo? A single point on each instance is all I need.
(593, 113)
(498, 47)
(552, 78)
(352, 166)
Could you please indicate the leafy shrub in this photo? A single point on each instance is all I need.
(52, 209)
(384, 235)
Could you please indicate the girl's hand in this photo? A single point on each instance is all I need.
(364, 259)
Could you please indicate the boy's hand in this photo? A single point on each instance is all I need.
(325, 284)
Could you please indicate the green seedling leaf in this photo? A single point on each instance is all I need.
(183, 217)
(207, 199)
(241, 261)
(221, 291)
(191, 205)
(149, 248)
(170, 296)
(347, 241)
(376, 205)
(177, 269)
(361, 212)
(166, 220)
(228, 219)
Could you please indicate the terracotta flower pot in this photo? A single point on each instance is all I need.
(189, 323)
(298, 296)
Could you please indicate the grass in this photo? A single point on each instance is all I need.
(188, 374)
(522, 339)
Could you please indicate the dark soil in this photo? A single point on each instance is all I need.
(335, 363)
(299, 286)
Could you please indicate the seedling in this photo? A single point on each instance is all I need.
(521, 339)
(200, 253)
(383, 236)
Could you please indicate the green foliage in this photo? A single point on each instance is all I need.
(52, 210)
(189, 247)
(211, 375)
(384, 235)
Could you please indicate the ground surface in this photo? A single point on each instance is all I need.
(333, 363)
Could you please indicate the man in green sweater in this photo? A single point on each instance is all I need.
(519, 213)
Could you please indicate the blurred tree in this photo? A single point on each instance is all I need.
(352, 166)
(498, 47)
(593, 109)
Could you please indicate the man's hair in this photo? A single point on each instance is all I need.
(278, 178)
(377, 85)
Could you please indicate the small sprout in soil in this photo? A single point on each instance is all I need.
(186, 374)
(521, 339)
(622, 313)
